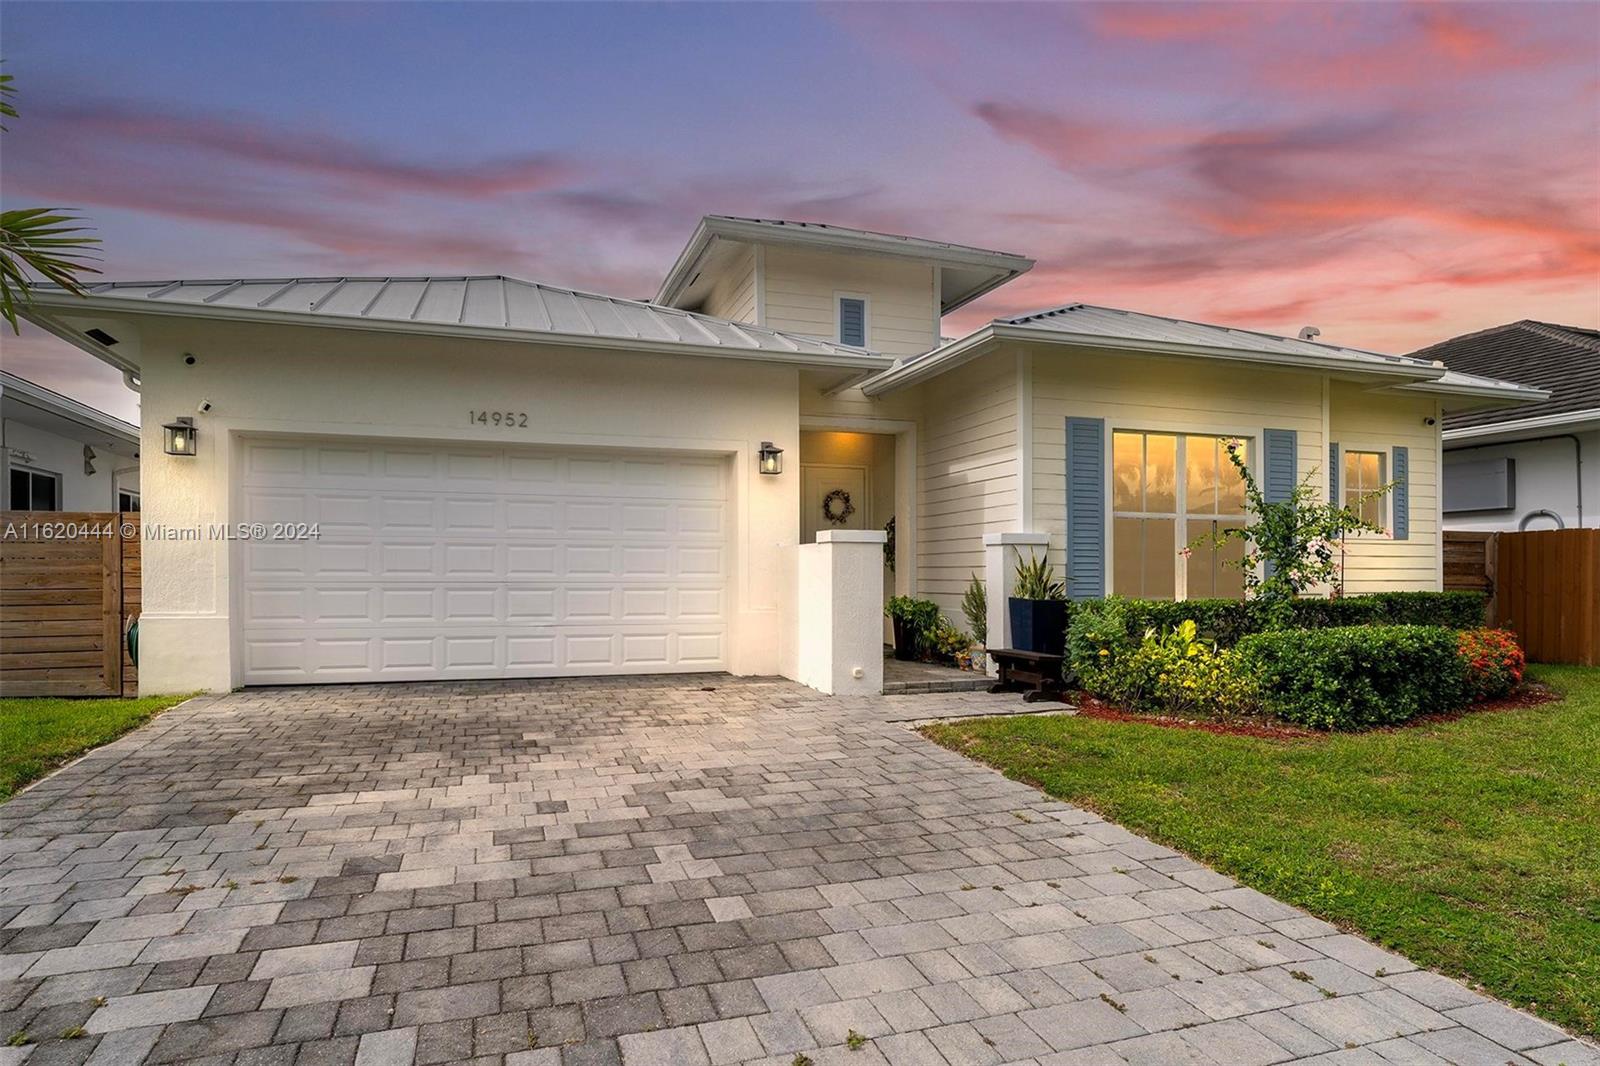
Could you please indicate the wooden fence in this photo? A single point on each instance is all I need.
(69, 588)
(1543, 584)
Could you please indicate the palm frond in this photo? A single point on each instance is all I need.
(7, 108)
(45, 242)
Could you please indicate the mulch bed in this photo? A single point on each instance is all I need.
(1531, 694)
(1093, 707)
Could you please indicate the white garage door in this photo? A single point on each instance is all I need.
(461, 562)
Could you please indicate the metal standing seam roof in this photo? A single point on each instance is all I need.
(480, 302)
(1109, 322)
(912, 245)
(1089, 325)
(969, 272)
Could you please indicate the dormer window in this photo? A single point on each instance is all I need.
(852, 317)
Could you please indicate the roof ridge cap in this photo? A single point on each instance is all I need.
(1561, 333)
(1021, 319)
(1015, 320)
(1486, 331)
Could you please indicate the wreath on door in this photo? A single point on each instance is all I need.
(841, 515)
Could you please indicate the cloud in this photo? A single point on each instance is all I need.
(341, 227)
(1071, 141)
(1174, 22)
(1433, 48)
(244, 139)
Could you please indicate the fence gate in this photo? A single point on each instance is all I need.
(1543, 584)
(1547, 588)
(69, 587)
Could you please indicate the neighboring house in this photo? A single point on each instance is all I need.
(61, 455)
(513, 479)
(1534, 466)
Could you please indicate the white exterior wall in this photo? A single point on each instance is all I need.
(292, 380)
(38, 449)
(840, 633)
(801, 289)
(1547, 479)
(968, 474)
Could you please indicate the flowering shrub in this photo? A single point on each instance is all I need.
(1099, 635)
(1494, 662)
(1175, 674)
(1291, 545)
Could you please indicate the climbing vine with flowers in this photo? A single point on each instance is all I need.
(1291, 545)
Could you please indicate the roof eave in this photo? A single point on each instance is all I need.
(73, 337)
(676, 281)
(1519, 426)
(880, 244)
(1499, 392)
(983, 289)
(65, 407)
(952, 355)
(140, 306)
(710, 228)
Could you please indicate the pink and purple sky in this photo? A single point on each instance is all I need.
(1392, 173)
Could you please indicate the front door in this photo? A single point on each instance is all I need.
(833, 497)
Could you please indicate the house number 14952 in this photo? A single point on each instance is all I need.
(507, 419)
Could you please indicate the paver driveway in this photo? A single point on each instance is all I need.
(662, 871)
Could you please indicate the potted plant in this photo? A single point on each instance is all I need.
(1038, 608)
(913, 620)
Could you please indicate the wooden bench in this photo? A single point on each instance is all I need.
(1035, 674)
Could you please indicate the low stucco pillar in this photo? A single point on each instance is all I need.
(1001, 553)
(841, 612)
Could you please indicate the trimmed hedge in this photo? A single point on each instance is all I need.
(1357, 677)
(1227, 622)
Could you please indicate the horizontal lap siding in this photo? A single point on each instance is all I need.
(1159, 395)
(1368, 421)
(800, 288)
(967, 474)
(734, 294)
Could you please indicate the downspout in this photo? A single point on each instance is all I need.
(1577, 458)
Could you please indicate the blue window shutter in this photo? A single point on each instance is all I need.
(1333, 472)
(1086, 508)
(1278, 462)
(1401, 475)
(853, 322)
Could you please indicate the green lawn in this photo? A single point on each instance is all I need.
(37, 735)
(1471, 846)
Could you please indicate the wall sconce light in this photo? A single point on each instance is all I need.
(180, 436)
(770, 459)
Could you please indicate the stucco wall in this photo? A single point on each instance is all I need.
(60, 455)
(295, 380)
(1546, 473)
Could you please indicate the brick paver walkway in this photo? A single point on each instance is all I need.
(657, 871)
